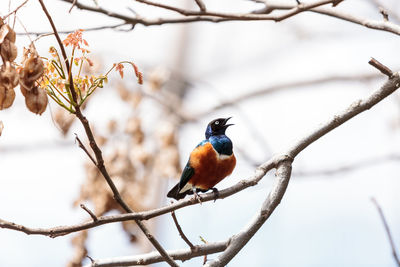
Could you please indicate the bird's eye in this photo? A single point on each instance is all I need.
(217, 122)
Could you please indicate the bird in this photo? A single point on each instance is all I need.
(209, 163)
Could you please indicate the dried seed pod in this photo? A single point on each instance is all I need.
(25, 81)
(24, 90)
(7, 33)
(34, 67)
(8, 75)
(3, 32)
(36, 100)
(8, 50)
(32, 70)
(7, 97)
(11, 34)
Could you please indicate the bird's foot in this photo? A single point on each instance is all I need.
(197, 197)
(216, 193)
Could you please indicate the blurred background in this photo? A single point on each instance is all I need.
(277, 80)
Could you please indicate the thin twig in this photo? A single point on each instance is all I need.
(72, 6)
(205, 256)
(181, 233)
(387, 229)
(154, 257)
(391, 11)
(382, 68)
(201, 5)
(15, 10)
(94, 217)
(84, 149)
(91, 259)
(99, 28)
(384, 13)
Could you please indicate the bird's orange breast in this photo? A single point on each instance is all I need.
(209, 167)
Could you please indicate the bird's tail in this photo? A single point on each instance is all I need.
(174, 192)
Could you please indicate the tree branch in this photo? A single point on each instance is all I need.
(146, 215)
(273, 199)
(188, 16)
(284, 168)
(94, 217)
(80, 144)
(281, 162)
(153, 257)
(387, 229)
(382, 68)
(15, 10)
(201, 5)
(181, 233)
(99, 28)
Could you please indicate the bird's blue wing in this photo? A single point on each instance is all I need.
(187, 173)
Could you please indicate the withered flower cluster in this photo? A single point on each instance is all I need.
(27, 75)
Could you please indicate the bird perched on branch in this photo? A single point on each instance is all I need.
(210, 162)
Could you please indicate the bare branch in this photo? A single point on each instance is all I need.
(372, 24)
(281, 162)
(154, 257)
(387, 229)
(382, 68)
(94, 217)
(99, 28)
(390, 13)
(72, 6)
(84, 149)
(384, 13)
(181, 233)
(264, 14)
(354, 109)
(239, 240)
(15, 10)
(201, 5)
(283, 172)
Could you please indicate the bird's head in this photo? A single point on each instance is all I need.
(217, 127)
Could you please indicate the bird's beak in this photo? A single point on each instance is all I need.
(225, 121)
